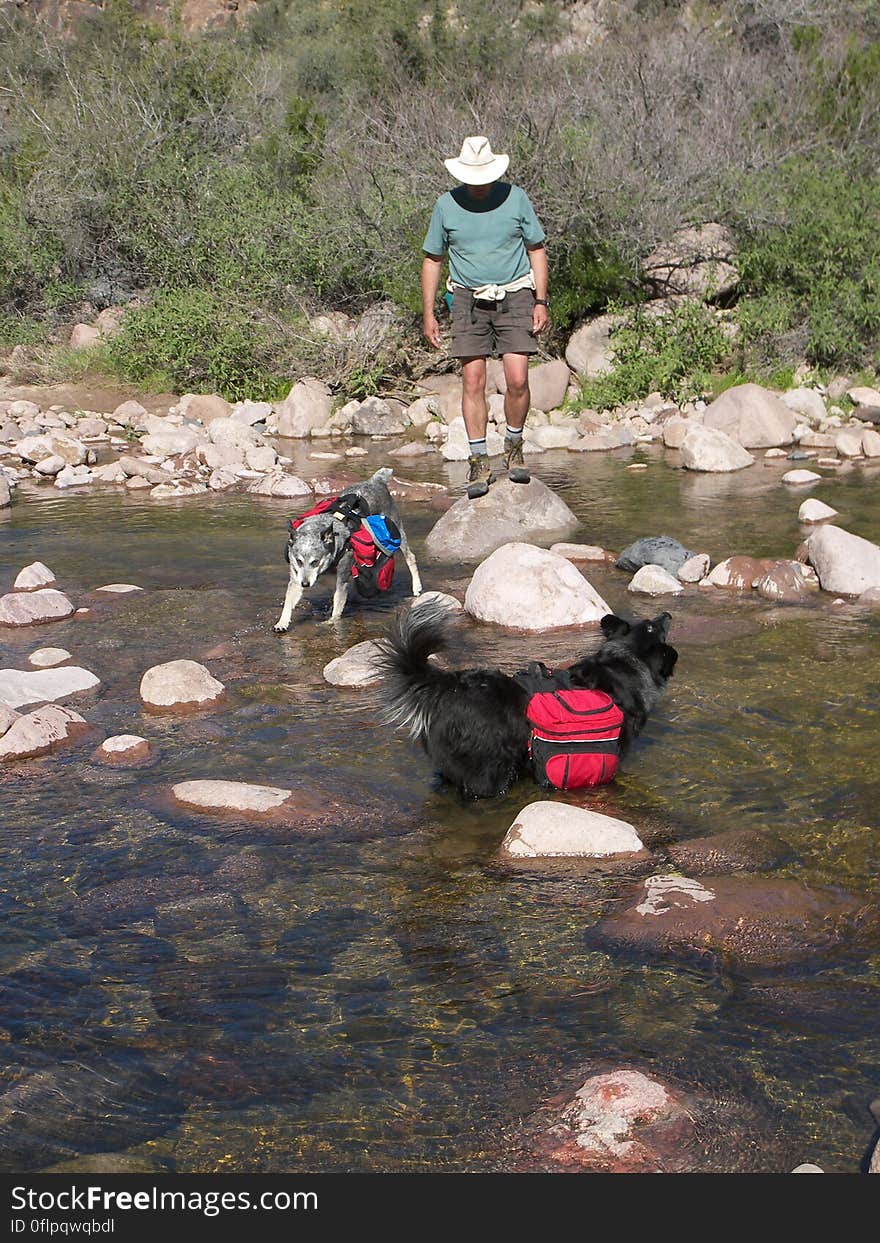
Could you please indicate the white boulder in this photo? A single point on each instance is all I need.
(180, 684)
(529, 588)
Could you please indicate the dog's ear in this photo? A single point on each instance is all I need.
(662, 660)
(613, 626)
(662, 622)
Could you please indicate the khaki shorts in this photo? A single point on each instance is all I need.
(483, 328)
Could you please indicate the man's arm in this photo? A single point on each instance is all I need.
(430, 283)
(538, 260)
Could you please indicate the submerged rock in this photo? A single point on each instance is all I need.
(180, 684)
(755, 922)
(510, 512)
(555, 830)
(46, 657)
(735, 850)
(529, 588)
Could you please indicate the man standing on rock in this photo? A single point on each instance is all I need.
(498, 282)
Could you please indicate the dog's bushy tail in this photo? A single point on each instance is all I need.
(412, 684)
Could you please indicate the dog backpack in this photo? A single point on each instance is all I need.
(374, 544)
(575, 738)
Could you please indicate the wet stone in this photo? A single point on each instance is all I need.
(737, 850)
(756, 922)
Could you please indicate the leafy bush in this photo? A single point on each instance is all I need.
(811, 267)
(673, 353)
(193, 340)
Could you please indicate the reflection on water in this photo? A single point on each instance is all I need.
(223, 996)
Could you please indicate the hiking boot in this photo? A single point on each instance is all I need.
(517, 471)
(479, 476)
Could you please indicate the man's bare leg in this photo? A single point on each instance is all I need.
(517, 400)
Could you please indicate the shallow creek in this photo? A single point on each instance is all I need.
(396, 1000)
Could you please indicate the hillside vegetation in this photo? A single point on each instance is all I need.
(228, 187)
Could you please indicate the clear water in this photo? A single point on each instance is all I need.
(396, 1000)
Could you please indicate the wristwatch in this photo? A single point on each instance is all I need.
(542, 302)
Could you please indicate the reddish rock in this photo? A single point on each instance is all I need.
(124, 751)
(739, 573)
(755, 922)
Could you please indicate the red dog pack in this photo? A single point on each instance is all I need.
(575, 738)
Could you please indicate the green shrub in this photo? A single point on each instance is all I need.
(810, 266)
(672, 353)
(193, 340)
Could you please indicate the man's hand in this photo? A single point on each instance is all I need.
(540, 319)
(431, 329)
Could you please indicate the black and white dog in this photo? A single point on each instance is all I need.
(321, 543)
(472, 722)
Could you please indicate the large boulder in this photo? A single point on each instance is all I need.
(589, 350)
(233, 434)
(509, 512)
(307, 406)
(708, 449)
(739, 920)
(32, 608)
(548, 383)
(529, 588)
(19, 687)
(180, 684)
(556, 830)
(752, 416)
(698, 260)
(846, 564)
(41, 731)
(375, 417)
(660, 550)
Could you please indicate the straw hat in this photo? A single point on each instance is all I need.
(478, 164)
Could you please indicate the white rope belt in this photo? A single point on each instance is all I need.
(496, 293)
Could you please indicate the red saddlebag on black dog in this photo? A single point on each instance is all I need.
(575, 739)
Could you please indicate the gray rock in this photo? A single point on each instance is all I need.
(698, 260)
(589, 348)
(307, 406)
(660, 550)
(375, 417)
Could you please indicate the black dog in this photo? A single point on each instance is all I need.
(472, 722)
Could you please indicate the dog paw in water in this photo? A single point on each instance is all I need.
(280, 629)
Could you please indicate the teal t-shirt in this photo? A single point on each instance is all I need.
(486, 239)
